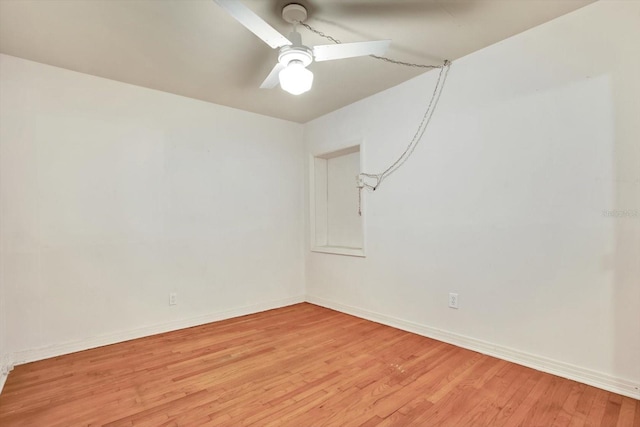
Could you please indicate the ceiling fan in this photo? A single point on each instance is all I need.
(291, 70)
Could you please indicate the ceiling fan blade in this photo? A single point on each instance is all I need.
(254, 23)
(272, 79)
(329, 52)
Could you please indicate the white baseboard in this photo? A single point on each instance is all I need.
(32, 355)
(566, 370)
(562, 369)
(3, 379)
(6, 365)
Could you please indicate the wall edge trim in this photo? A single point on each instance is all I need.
(35, 354)
(540, 363)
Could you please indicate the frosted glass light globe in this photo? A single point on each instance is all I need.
(295, 78)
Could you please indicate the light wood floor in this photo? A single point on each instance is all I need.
(300, 366)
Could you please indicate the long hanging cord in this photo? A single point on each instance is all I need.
(426, 118)
(382, 58)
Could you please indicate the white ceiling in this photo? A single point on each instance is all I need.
(193, 48)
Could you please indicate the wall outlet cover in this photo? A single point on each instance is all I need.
(453, 300)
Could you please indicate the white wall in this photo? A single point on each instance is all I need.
(113, 196)
(503, 201)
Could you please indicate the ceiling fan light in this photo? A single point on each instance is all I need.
(295, 78)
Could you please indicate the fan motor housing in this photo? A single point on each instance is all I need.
(295, 53)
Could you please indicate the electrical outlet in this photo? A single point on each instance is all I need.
(173, 298)
(453, 300)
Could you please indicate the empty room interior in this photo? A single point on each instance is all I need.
(320, 212)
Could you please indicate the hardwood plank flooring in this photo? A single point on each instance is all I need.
(301, 365)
